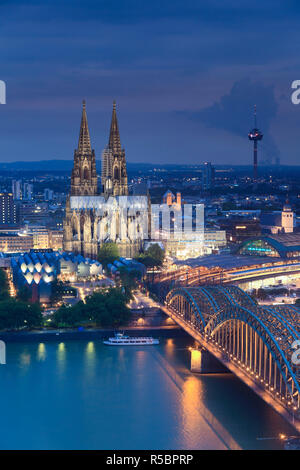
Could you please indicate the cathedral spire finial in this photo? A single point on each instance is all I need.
(114, 136)
(84, 142)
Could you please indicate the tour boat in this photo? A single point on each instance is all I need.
(122, 340)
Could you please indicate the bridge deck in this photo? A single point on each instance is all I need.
(233, 368)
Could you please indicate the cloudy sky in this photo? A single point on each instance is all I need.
(185, 75)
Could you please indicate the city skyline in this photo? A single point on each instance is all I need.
(193, 102)
(149, 201)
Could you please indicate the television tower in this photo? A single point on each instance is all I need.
(255, 135)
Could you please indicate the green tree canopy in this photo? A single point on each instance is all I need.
(23, 294)
(108, 253)
(4, 292)
(129, 281)
(152, 257)
(16, 314)
(102, 308)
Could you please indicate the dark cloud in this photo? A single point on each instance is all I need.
(153, 58)
(233, 112)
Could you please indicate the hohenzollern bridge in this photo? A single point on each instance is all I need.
(257, 343)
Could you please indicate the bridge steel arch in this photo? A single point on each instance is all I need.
(259, 340)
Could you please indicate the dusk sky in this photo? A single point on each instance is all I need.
(185, 75)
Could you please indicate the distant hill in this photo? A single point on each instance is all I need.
(65, 166)
(44, 165)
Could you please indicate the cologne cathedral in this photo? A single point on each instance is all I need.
(98, 213)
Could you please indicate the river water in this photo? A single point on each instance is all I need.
(85, 395)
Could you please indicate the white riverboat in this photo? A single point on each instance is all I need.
(122, 340)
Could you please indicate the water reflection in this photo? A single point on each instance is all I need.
(25, 359)
(99, 384)
(191, 403)
(170, 346)
(140, 362)
(41, 352)
(90, 359)
(61, 357)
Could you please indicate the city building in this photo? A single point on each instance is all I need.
(91, 218)
(214, 241)
(37, 270)
(15, 242)
(114, 172)
(181, 228)
(48, 194)
(208, 176)
(8, 210)
(239, 229)
(40, 235)
(283, 245)
(55, 239)
(27, 192)
(278, 221)
(17, 189)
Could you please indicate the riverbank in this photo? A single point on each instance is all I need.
(90, 334)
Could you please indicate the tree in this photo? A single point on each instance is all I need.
(129, 280)
(152, 257)
(23, 294)
(4, 291)
(70, 316)
(108, 253)
(102, 308)
(16, 314)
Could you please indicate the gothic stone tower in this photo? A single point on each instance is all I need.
(93, 219)
(287, 218)
(78, 226)
(84, 176)
(114, 172)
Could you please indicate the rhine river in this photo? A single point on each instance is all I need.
(82, 394)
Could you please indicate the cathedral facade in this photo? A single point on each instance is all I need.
(95, 216)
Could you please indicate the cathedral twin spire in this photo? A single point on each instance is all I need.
(84, 180)
(114, 172)
(114, 136)
(84, 142)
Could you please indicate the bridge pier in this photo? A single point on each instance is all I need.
(202, 362)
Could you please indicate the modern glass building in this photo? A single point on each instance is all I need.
(285, 245)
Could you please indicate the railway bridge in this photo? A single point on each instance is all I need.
(257, 343)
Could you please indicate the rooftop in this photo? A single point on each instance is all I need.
(226, 261)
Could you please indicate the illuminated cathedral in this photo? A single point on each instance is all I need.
(97, 213)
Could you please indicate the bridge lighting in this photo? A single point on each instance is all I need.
(271, 323)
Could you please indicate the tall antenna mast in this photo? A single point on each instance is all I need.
(255, 135)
